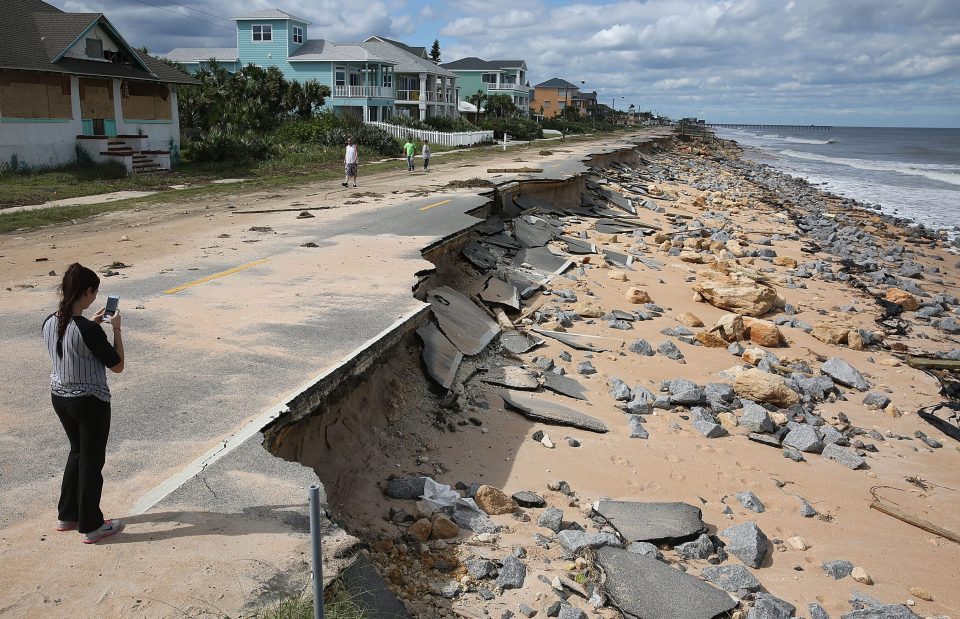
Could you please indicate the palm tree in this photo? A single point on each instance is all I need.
(477, 99)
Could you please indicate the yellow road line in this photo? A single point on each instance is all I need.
(430, 206)
(206, 279)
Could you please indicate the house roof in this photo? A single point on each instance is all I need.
(509, 64)
(587, 96)
(416, 51)
(202, 54)
(556, 83)
(321, 50)
(404, 61)
(270, 14)
(470, 63)
(41, 34)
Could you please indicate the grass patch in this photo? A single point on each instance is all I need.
(338, 605)
(469, 183)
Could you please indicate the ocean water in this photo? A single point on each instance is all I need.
(912, 173)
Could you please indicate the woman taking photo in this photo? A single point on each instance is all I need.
(80, 354)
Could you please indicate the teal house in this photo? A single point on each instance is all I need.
(374, 79)
(492, 77)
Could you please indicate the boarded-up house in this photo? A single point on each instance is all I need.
(69, 80)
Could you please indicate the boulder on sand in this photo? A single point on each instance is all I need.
(764, 333)
(759, 386)
(731, 327)
(904, 299)
(494, 501)
(739, 295)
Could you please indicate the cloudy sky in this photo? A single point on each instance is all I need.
(840, 62)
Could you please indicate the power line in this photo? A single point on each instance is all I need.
(144, 2)
(190, 8)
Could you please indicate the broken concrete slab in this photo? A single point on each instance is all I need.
(479, 256)
(546, 411)
(652, 522)
(518, 342)
(474, 520)
(512, 376)
(542, 259)
(642, 586)
(573, 539)
(579, 341)
(439, 355)
(365, 585)
(466, 325)
(578, 246)
(731, 577)
(533, 231)
(495, 290)
(564, 385)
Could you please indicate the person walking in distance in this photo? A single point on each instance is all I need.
(80, 355)
(409, 149)
(351, 161)
(426, 155)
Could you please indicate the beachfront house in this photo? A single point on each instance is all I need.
(586, 104)
(372, 80)
(551, 97)
(492, 77)
(69, 81)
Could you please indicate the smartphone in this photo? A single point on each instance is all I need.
(113, 302)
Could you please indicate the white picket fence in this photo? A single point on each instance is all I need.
(457, 138)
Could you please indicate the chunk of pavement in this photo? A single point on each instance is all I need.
(461, 320)
(708, 428)
(747, 543)
(525, 498)
(669, 350)
(479, 568)
(564, 385)
(407, 488)
(843, 456)
(876, 400)
(441, 358)
(573, 540)
(844, 373)
(652, 522)
(837, 569)
(363, 583)
(636, 427)
(551, 518)
(751, 501)
(586, 368)
(642, 586)
(512, 573)
(884, 611)
(519, 343)
(474, 519)
(512, 376)
(550, 412)
(766, 606)
(805, 438)
(756, 418)
(700, 548)
(817, 612)
(731, 577)
(645, 548)
(642, 347)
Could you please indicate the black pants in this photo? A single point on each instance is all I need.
(86, 420)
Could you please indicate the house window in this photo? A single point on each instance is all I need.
(262, 32)
(297, 34)
(340, 76)
(94, 48)
(546, 103)
(561, 104)
(489, 78)
(388, 80)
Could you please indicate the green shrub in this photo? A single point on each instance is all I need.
(329, 129)
(516, 128)
(582, 126)
(442, 123)
(220, 144)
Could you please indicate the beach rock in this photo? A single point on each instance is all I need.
(479, 568)
(407, 488)
(573, 540)
(689, 320)
(421, 529)
(845, 374)
(710, 340)
(837, 569)
(571, 612)
(443, 528)
(525, 498)
(845, 457)
(551, 518)
(876, 400)
(700, 548)
(742, 296)
(798, 543)
(949, 325)
(784, 261)
(750, 501)
(807, 510)
(766, 606)
(512, 573)
(618, 276)
(670, 350)
(830, 334)
(756, 418)
(636, 427)
(883, 611)
(646, 549)
(475, 520)
(860, 575)
(709, 429)
(759, 386)
(586, 368)
(731, 578)
(641, 347)
(805, 438)
(685, 392)
(731, 327)
(904, 299)
(747, 543)
(493, 501)
(765, 333)
(638, 296)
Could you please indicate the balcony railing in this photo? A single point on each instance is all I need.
(363, 91)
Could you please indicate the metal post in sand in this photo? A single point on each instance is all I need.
(317, 548)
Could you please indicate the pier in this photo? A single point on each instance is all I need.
(769, 127)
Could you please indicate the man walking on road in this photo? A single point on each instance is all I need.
(426, 155)
(351, 160)
(409, 149)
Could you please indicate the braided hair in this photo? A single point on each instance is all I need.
(76, 281)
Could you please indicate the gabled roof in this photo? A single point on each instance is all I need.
(586, 96)
(39, 35)
(470, 63)
(321, 50)
(404, 61)
(416, 51)
(270, 14)
(202, 54)
(556, 82)
(509, 64)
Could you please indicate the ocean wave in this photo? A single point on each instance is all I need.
(792, 140)
(938, 172)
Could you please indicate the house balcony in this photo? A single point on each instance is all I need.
(508, 88)
(413, 96)
(363, 92)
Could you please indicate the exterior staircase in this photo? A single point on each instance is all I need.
(127, 149)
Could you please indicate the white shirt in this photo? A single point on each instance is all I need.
(351, 156)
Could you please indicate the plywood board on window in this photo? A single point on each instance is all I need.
(96, 98)
(34, 95)
(146, 101)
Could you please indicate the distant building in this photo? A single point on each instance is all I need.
(69, 79)
(553, 96)
(372, 79)
(586, 102)
(492, 77)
